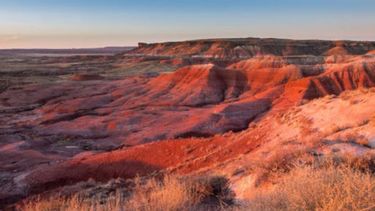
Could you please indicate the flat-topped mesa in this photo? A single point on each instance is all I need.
(249, 47)
(142, 44)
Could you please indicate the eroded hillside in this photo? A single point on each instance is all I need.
(225, 107)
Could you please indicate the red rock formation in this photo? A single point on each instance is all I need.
(197, 85)
(265, 72)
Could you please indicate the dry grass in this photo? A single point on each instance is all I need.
(337, 183)
(168, 194)
(280, 162)
(74, 203)
(307, 188)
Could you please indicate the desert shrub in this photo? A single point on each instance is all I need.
(168, 194)
(175, 193)
(212, 191)
(364, 163)
(308, 188)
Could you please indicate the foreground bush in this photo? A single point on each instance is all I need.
(330, 188)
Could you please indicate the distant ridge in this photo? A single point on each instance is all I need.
(230, 48)
(259, 39)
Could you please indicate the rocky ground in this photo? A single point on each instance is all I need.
(228, 107)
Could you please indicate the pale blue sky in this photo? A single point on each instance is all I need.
(95, 23)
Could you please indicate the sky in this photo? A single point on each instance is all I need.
(99, 23)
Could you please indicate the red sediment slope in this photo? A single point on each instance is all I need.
(198, 85)
(267, 71)
(178, 156)
(345, 77)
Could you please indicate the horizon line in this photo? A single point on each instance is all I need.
(191, 40)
